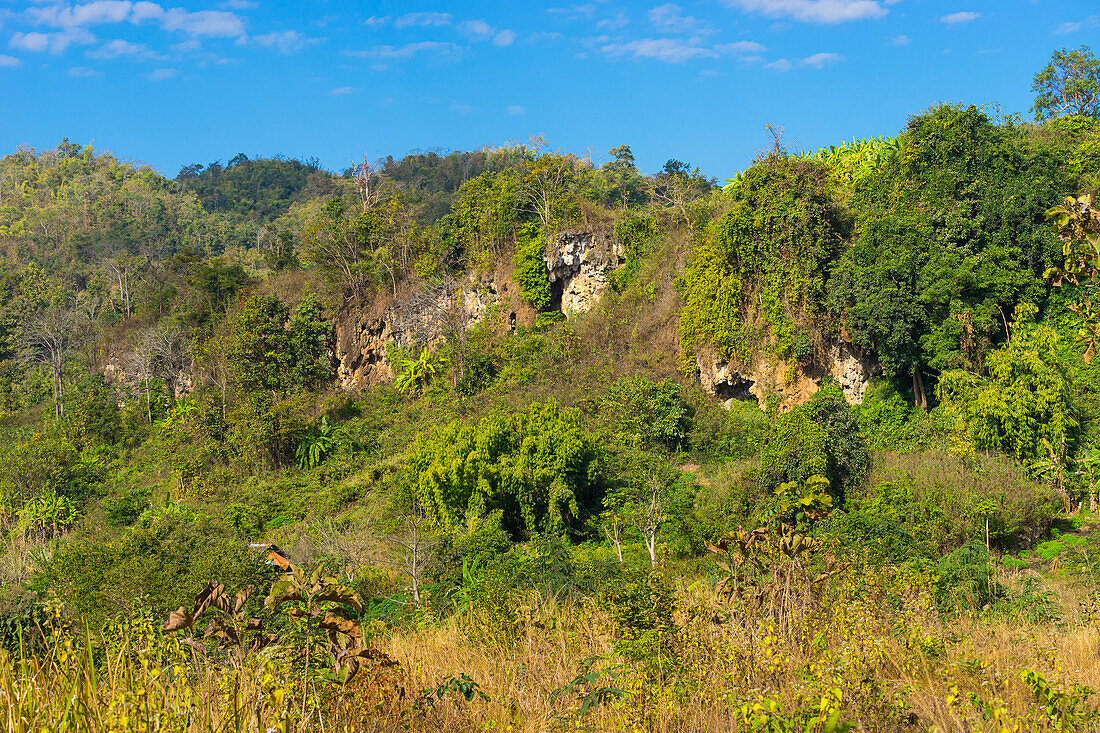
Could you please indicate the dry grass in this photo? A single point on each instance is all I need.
(873, 648)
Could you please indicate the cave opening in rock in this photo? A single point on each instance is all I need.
(735, 388)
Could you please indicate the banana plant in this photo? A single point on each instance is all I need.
(767, 570)
(315, 445)
(231, 628)
(328, 609)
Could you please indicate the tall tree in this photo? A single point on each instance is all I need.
(1069, 85)
(49, 338)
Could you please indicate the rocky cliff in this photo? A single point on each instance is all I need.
(789, 383)
(421, 316)
(579, 263)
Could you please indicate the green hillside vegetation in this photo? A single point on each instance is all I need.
(548, 524)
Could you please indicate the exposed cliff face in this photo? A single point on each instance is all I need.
(420, 317)
(579, 264)
(790, 384)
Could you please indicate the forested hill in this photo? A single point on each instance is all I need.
(503, 391)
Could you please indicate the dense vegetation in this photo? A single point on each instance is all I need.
(544, 522)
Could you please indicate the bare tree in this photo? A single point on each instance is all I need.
(613, 529)
(368, 183)
(415, 546)
(649, 514)
(49, 338)
(120, 271)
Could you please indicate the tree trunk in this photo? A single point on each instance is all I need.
(919, 398)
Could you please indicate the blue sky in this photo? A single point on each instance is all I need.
(171, 84)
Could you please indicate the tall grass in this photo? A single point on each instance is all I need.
(874, 652)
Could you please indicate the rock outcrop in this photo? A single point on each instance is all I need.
(579, 263)
(789, 383)
(420, 317)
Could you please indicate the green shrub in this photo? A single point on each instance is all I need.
(124, 509)
(157, 565)
(964, 580)
(539, 468)
(944, 500)
(530, 268)
(650, 413)
(821, 437)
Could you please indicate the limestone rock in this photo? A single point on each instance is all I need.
(579, 262)
(790, 384)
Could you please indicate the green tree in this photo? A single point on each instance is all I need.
(819, 438)
(1068, 86)
(1023, 399)
(950, 236)
(538, 467)
(760, 276)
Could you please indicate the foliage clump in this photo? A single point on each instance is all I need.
(539, 467)
(821, 438)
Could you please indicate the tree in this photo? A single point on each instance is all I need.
(1069, 85)
(648, 514)
(1023, 404)
(49, 338)
(625, 185)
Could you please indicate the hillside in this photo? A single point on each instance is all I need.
(554, 445)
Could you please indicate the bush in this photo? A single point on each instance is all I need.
(819, 438)
(964, 580)
(943, 500)
(530, 269)
(539, 468)
(157, 566)
(650, 413)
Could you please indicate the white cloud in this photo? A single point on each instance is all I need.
(740, 47)
(146, 11)
(413, 20)
(409, 50)
(667, 18)
(98, 12)
(670, 50)
(813, 11)
(545, 36)
(9, 62)
(342, 91)
(964, 16)
(118, 48)
(83, 72)
(163, 74)
(574, 12)
(515, 109)
(612, 24)
(1093, 21)
(203, 22)
(375, 21)
(460, 107)
(478, 29)
(76, 16)
(55, 43)
(818, 60)
(901, 40)
(285, 42)
(504, 38)
(191, 44)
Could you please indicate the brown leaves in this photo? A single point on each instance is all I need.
(227, 628)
